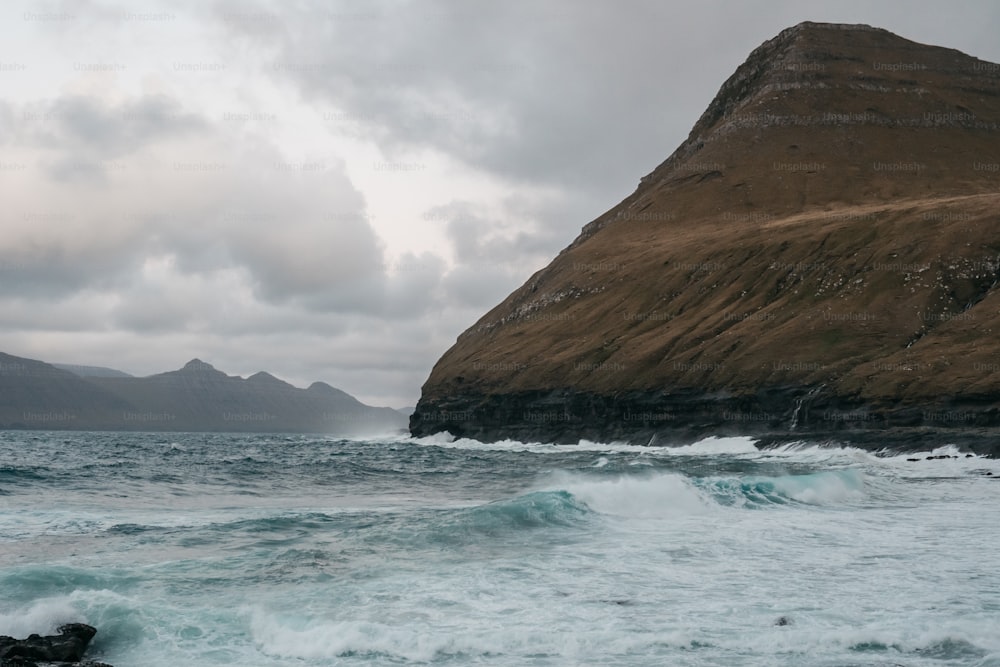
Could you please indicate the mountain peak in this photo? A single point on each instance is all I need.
(264, 378)
(808, 57)
(199, 366)
(826, 114)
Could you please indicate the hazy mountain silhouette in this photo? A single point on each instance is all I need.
(197, 397)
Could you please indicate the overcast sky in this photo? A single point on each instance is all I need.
(335, 190)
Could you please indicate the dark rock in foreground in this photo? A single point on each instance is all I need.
(66, 648)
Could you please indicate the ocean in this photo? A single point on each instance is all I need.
(264, 550)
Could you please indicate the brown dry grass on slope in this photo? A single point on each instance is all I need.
(832, 219)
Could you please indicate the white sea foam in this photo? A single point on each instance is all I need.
(41, 616)
(714, 446)
(329, 639)
(440, 555)
(653, 496)
(815, 633)
(744, 448)
(822, 488)
(423, 642)
(711, 446)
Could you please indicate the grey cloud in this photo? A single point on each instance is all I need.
(584, 94)
(156, 310)
(297, 226)
(214, 305)
(558, 93)
(414, 287)
(294, 248)
(480, 287)
(520, 237)
(86, 138)
(37, 267)
(81, 123)
(7, 122)
(78, 169)
(74, 316)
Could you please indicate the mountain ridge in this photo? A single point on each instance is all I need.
(91, 371)
(195, 397)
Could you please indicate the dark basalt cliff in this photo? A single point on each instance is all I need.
(196, 397)
(818, 259)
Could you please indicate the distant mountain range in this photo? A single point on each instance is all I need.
(197, 397)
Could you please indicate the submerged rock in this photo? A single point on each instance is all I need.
(66, 648)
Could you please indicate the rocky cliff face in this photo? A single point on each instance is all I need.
(197, 397)
(819, 257)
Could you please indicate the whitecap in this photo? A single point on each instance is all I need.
(646, 496)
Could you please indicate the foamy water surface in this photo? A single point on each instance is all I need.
(268, 550)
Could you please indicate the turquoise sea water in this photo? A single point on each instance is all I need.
(254, 550)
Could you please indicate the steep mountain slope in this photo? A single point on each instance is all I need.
(92, 371)
(34, 394)
(819, 256)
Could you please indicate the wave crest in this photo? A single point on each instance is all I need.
(539, 509)
(818, 488)
(665, 495)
